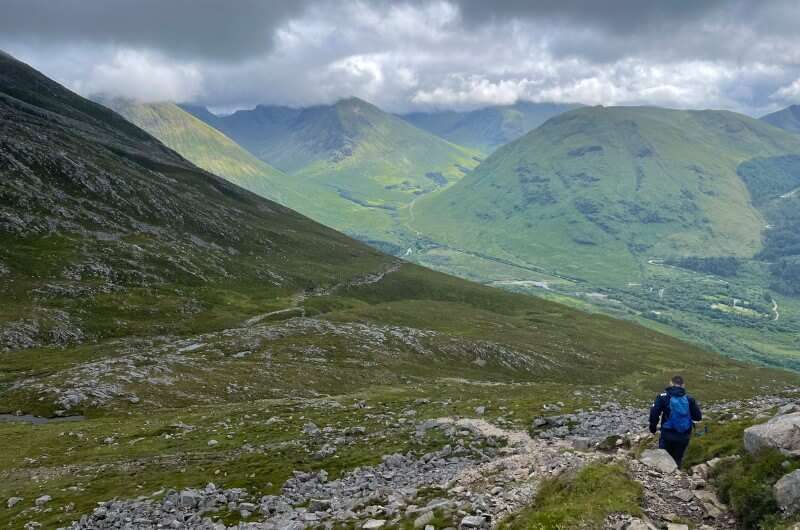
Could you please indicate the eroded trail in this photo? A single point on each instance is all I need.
(482, 474)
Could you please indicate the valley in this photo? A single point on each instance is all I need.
(414, 265)
(591, 257)
(200, 342)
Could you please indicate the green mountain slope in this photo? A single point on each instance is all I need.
(787, 119)
(599, 207)
(594, 192)
(201, 328)
(145, 246)
(357, 165)
(488, 128)
(205, 146)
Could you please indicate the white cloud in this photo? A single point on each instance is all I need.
(790, 92)
(142, 76)
(438, 54)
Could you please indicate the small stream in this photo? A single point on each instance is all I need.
(37, 420)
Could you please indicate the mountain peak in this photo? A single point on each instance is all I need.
(787, 119)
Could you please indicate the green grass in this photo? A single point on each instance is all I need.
(595, 193)
(351, 166)
(746, 486)
(580, 501)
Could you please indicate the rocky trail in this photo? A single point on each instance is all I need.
(480, 476)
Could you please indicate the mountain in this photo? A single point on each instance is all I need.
(593, 192)
(357, 165)
(190, 331)
(204, 146)
(671, 218)
(488, 128)
(787, 119)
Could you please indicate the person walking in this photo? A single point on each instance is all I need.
(676, 411)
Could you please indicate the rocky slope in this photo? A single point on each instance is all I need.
(478, 479)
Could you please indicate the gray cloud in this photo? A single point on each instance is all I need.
(188, 29)
(416, 54)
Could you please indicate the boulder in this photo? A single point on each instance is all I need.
(44, 499)
(787, 492)
(423, 520)
(638, 524)
(788, 409)
(473, 521)
(781, 432)
(372, 524)
(676, 526)
(658, 459)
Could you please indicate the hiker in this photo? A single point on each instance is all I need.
(677, 411)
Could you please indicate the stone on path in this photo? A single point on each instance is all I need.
(372, 524)
(638, 524)
(658, 459)
(781, 432)
(473, 521)
(676, 526)
(787, 492)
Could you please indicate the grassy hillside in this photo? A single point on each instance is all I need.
(595, 191)
(593, 202)
(205, 147)
(787, 119)
(488, 128)
(355, 165)
(200, 328)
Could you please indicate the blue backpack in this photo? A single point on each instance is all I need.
(679, 418)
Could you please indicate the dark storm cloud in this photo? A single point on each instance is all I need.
(193, 29)
(620, 16)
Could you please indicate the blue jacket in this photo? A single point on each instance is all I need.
(659, 412)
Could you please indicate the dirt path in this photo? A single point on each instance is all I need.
(298, 299)
(509, 482)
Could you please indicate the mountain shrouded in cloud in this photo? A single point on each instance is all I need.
(416, 55)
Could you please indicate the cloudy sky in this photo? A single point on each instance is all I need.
(417, 55)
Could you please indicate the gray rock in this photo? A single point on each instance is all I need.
(423, 519)
(373, 523)
(787, 492)
(326, 451)
(658, 459)
(44, 499)
(13, 501)
(781, 432)
(676, 526)
(789, 408)
(582, 444)
(473, 521)
(538, 423)
(311, 429)
(684, 495)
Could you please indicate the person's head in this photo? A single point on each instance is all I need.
(676, 380)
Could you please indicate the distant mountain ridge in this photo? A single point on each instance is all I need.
(205, 146)
(787, 119)
(356, 165)
(626, 182)
(489, 127)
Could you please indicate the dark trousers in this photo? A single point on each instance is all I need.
(675, 444)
